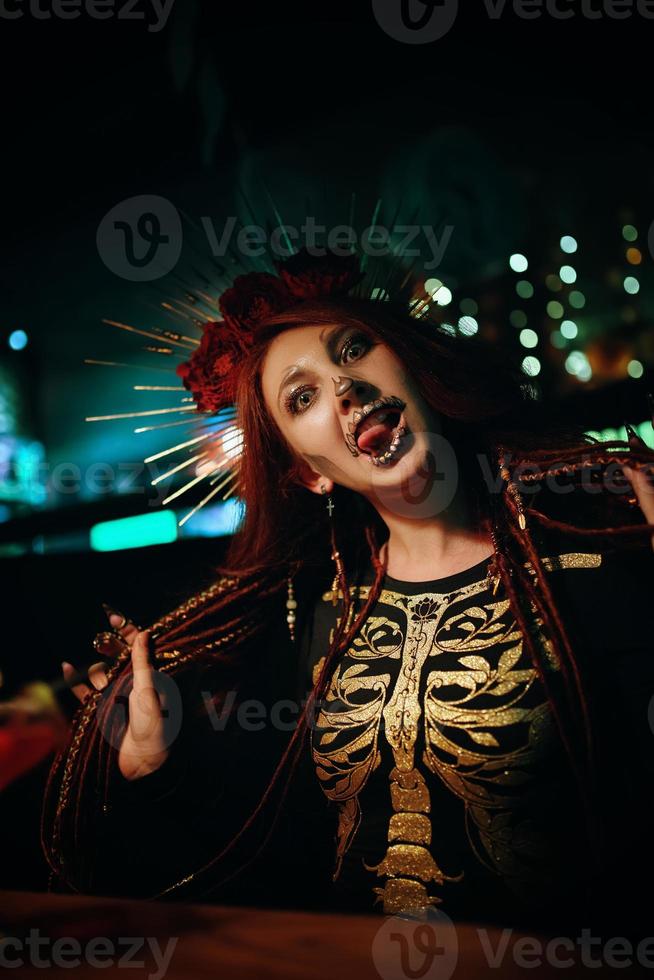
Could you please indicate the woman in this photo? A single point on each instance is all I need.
(463, 692)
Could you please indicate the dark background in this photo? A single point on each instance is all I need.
(515, 131)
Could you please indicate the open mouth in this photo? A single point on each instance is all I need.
(379, 430)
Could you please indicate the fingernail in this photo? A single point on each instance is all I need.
(632, 435)
(110, 611)
(64, 664)
(116, 619)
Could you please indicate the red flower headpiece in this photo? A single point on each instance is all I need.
(212, 371)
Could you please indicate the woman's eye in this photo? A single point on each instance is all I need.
(353, 344)
(295, 403)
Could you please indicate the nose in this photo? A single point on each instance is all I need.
(350, 390)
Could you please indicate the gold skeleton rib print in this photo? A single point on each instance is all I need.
(448, 672)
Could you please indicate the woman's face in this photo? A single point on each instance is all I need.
(304, 378)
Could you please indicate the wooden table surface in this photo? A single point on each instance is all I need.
(197, 941)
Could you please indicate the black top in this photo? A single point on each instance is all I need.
(434, 774)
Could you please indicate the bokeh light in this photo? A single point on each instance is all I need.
(468, 326)
(469, 307)
(518, 262)
(555, 309)
(518, 318)
(17, 339)
(569, 329)
(524, 289)
(531, 365)
(576, 363)
(528, 338)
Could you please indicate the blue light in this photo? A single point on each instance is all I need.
(213, 521)
(17, 339)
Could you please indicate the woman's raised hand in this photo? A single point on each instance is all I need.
(143, 748)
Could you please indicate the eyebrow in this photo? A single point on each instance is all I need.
(294, 371)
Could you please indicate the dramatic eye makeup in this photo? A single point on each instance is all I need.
(356, 341)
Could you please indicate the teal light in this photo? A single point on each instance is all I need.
(443, 296)
(576, 363)
(531, 365)
(644, 430)
(569, 329)
(528, 338)
(635, 369)
(524, 289)
(557, 339)
(135, 532)
(518, 262)
(568, 244)
(629, 233)
(468, 326)
(631, 285)
(17, 339)
(214, 520)
(577, 299)
(568, 274)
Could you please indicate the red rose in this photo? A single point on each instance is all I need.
(252, 298)
(310, 276)
(210, 373)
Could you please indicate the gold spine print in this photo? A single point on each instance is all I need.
(449, 672)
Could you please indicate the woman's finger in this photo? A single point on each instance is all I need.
(141, 668)
(123, 626)
(644, 491)
(81, 691)
(98, 675)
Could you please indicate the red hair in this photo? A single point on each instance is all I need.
(492, 417)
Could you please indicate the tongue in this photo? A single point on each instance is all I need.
(376, 437)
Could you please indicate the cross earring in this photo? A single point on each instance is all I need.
(333, 592)
(330, 502)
